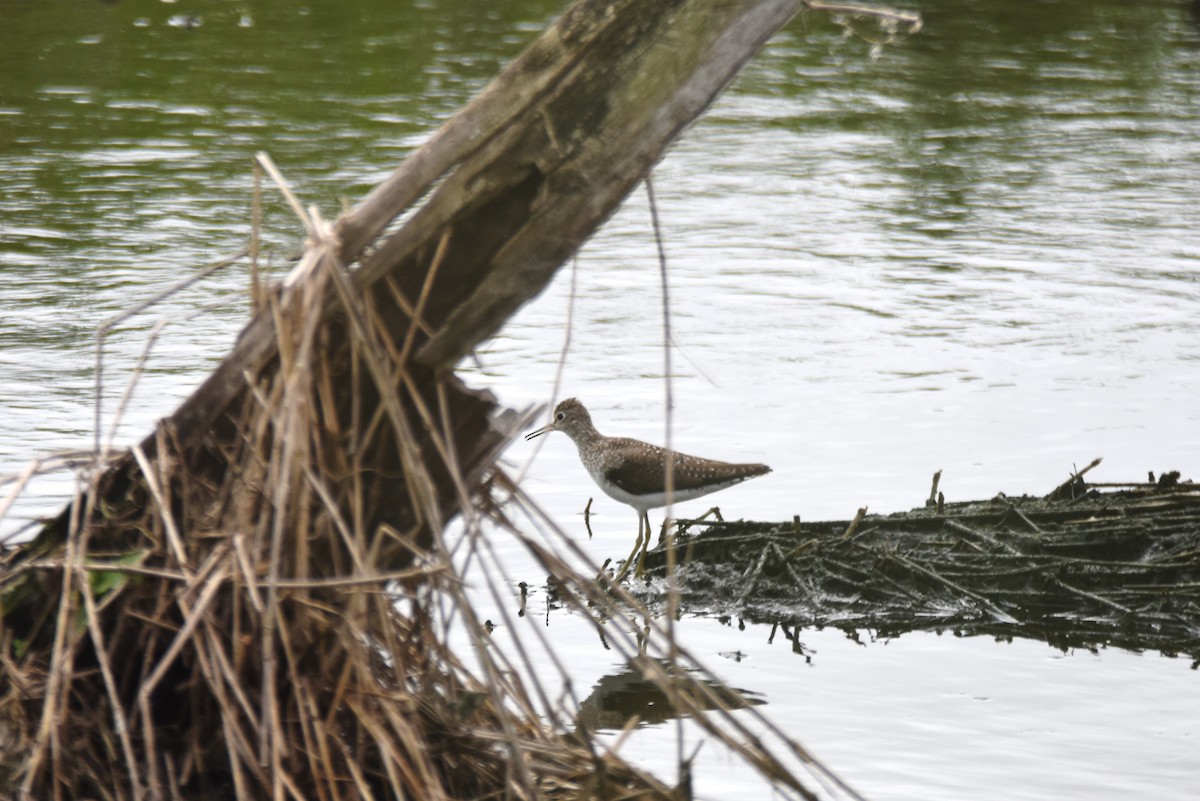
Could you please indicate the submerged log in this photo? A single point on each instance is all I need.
(1115, 566)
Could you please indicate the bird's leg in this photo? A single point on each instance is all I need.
(641, 562)
(715, 512)
(636, 547)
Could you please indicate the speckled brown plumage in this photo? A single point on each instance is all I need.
(634, 472)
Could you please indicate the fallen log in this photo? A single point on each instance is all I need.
(1090, 568)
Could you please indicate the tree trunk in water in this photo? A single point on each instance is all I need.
(528, 171)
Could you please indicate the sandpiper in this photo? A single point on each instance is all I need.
(635, 472)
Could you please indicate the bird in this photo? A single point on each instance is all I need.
(635, 473)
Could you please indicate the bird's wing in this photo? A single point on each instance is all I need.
(631, 470)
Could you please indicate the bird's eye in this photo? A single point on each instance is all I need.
(560, 417)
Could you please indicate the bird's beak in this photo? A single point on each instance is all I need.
(539, 432)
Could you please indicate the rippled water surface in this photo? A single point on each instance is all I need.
(974, 252)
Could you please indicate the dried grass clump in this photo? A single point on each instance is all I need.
(263, 610)
(162, 690)
(237, 620)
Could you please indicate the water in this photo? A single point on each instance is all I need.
(973, 253)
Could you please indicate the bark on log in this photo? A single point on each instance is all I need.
(531, 167)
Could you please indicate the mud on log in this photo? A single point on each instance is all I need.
(1092, 567)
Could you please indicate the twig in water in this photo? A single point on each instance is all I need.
(256, 288)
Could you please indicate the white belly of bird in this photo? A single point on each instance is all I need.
(655, 500)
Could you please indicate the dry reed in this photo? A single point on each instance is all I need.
(267, 614)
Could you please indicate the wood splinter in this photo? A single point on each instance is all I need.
(1068, 488)
(933, 492)
(853, 527)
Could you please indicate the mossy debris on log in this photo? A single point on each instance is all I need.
(1084, 568)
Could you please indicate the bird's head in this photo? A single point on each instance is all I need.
(571, 418)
